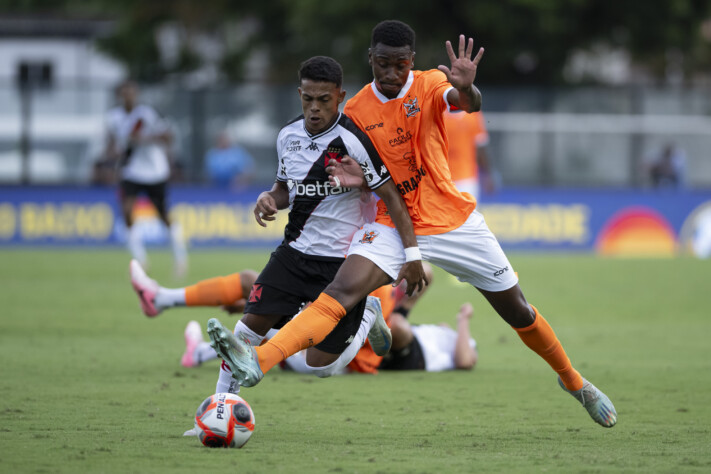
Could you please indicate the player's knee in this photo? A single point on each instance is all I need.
(348, 297)
(522, 315)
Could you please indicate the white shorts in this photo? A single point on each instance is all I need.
(470, 252)
(469, 185)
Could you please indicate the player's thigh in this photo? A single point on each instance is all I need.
(472, 254)
(157, 195)
(381, 245)
(288, 282)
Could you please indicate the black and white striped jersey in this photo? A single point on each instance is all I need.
(322, 218)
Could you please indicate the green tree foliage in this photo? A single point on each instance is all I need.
(526, 41)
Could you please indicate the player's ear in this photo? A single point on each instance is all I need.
(370, 57)
(341, 96)
(299, 89)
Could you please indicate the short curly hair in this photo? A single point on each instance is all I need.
(321, 69)
(393, 33)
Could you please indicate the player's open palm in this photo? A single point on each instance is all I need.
(462, 72)
(346, 172)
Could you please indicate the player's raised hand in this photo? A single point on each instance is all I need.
(414, 274)
(265, 209)
(346, 173)
(462, 72)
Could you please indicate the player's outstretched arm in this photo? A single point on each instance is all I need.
(412, 272)
(346, 172)
(461, 75)
(465, 357)
(269, 202)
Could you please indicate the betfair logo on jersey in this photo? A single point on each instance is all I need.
(314, 189)
(411, 107)
(368, 237)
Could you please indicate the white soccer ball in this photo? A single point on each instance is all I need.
(224, 420)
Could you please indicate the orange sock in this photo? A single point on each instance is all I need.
(540, 338)
(309, 328)
(215, 291)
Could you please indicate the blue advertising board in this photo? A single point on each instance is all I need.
(612, 222)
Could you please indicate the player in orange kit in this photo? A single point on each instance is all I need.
(468, 154)
(402, 113)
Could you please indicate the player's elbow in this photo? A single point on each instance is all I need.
(467, 360)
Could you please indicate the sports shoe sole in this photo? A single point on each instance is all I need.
(237, 352)
(379, 336)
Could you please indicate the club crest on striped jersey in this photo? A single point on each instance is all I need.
(333, 153)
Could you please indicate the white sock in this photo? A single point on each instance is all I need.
(339, 365)
(169, 297)
(135, 245)
(204, 352)
(180, 253)
(297, 363)
(225, 382)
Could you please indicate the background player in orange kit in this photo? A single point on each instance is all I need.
(468, 154)
(407, 106)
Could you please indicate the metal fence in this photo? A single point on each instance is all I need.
(581, 137)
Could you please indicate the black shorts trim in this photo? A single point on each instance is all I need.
(292, 279)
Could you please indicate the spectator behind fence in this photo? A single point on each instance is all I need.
(668, 169)
(228, 164)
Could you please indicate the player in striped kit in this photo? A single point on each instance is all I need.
(137, 138)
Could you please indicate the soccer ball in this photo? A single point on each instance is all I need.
(224, 420)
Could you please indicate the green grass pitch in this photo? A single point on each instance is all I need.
(90, 385)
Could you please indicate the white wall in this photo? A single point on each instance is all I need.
(71, 59)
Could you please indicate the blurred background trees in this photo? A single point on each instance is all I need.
(529, 42)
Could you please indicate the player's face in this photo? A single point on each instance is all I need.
(128, 94)
(391, 67)
(320, 101)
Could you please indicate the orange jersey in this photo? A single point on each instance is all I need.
(465, 132)
(410, 136)
(366, 361)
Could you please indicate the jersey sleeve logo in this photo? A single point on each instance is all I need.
(256, 294)
(368, 237)
(367, 172)
(411, 107)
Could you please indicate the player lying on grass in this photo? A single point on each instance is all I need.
(402, 113)
(322, 220)
(414, 347)
(228, 293)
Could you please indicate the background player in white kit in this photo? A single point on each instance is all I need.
(137, 139)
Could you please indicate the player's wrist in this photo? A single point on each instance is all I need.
(412, 254)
